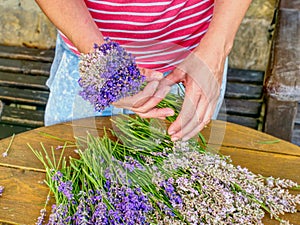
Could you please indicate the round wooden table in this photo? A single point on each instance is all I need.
(22, 174)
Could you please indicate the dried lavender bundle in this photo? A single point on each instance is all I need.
(213, 191)
(108, 74)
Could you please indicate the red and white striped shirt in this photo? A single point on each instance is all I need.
(158, 33)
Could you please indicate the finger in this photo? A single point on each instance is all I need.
(195, 131)
(151, 75)
(154, 75)
(188, 111)
(162, 90)
(160, 113)
(139, 98)
(206, 119)
(154, 100)
(193, 124)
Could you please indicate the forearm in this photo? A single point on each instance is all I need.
(227, 17)
(74, 20)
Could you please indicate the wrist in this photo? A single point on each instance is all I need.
(86, 44)
(218, 42)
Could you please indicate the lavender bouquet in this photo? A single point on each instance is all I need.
(108, 74)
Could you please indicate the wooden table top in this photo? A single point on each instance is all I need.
(21, 173)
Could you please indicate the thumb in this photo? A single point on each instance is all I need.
(174, 77)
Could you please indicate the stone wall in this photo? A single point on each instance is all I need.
(23, 23)
(252, 43)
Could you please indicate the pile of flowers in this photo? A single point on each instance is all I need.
(135, 175)
(108, 74)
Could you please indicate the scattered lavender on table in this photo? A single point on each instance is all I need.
(5, 153)
(108, 74)
(1, 190)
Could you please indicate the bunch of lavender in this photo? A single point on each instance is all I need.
(204, 188)
(117, 204)
(103, 186)
(213, 191)
(108, 74)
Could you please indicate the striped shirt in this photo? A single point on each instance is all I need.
(158, 33)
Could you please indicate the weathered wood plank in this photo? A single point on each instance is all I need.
(25, 66)
(233, 135)
(16, 52)
(243, 91)
(34, 97)
(290, 4)
(6, 130)
(279, 118)
(242, 107)
(20, 155)
(297, 119)
(1, 107)
(237, 136)
(242, 120)
(22, 80)
(24, 117)
(245, 76)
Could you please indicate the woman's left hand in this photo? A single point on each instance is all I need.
(202, 90)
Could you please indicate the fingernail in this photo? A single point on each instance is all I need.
(170, 114)
(174, 138)
(184, 139)
(157, 75)
(171, 132)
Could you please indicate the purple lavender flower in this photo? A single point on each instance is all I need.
(41, 218)
(1, 190)
(65, 187)
(59, 215)
(174, 197)
(108, 74)
(131, 164)
(130, 205)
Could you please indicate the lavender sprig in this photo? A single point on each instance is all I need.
(1, 190)
(5, 153)
(108, 74)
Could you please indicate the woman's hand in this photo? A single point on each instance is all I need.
(201, 73)
(202, 81)
(139, 103)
